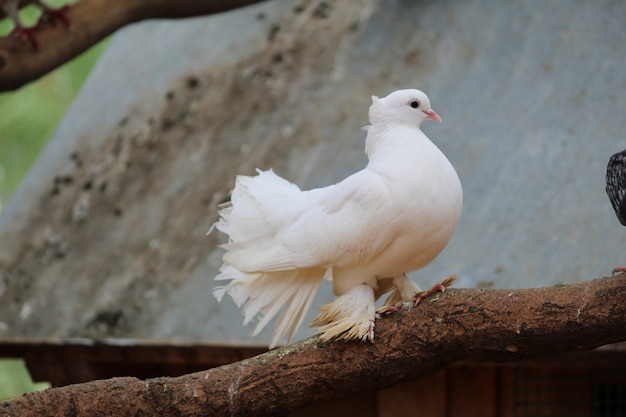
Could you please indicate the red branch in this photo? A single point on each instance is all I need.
(92, 21)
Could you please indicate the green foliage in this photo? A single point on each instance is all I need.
(15, 380)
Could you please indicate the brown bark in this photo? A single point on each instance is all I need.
(462, 324)
(92, 21)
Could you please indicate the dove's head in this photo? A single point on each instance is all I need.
(402, 106)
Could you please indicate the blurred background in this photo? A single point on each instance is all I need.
(108, 228)
(28, 117)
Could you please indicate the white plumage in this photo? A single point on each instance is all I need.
(363, 234)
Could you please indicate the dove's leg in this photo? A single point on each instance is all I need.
(350, 316)
(439, 287)
(404, 289)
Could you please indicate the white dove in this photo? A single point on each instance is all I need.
(363, 234)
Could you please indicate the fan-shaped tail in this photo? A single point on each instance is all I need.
(257, 208)
(263, 279)
(267, 293)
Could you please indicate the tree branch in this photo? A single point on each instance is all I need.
(92, 21)
(462, 324)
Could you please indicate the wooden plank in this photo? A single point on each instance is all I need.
(472, 391)
(423, 397)
(361, 405)
(47, 359)
(552, 391)
(505, 392)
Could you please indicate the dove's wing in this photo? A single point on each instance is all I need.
(340, 225)
(348, 226)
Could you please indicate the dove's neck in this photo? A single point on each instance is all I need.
(388, 140)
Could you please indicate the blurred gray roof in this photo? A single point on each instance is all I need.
(106, 235)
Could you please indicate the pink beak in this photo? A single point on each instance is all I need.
(431, 114)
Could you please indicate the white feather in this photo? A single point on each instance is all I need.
(350, 316)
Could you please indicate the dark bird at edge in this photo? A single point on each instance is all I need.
(616, 189)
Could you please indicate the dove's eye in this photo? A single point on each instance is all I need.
(415, 104)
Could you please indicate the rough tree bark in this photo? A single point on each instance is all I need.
(462, 324)
(92, 21)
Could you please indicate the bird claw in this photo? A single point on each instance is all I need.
(417, 298)
(438, 287)
(387, 310)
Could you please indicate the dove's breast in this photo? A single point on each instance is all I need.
(427, 199)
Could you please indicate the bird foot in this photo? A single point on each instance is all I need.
(439, 287)
(619, 270)
(387, 310)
